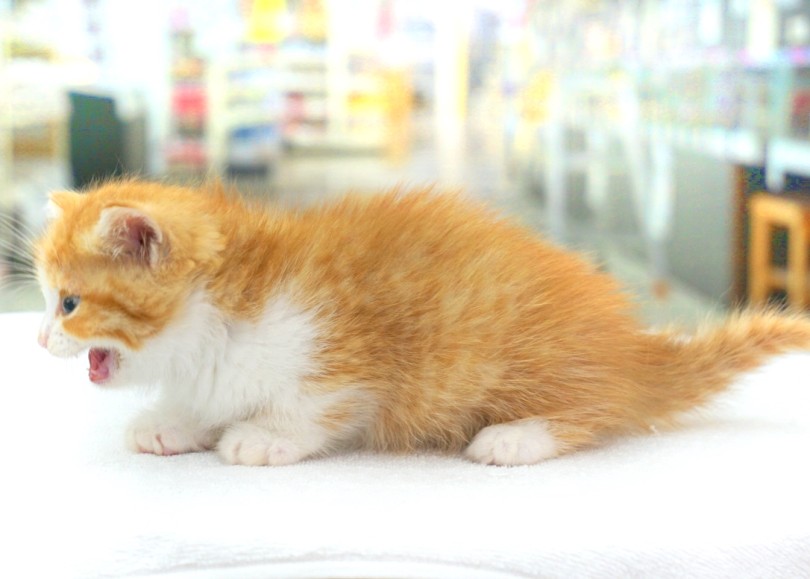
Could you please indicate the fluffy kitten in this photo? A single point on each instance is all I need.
(396, 323)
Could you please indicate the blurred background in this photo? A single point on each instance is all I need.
(633, 130)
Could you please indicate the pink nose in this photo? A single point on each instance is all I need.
(43, 339)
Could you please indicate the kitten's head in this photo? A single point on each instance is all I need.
(116, 265)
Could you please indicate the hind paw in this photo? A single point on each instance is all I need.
(513, 443)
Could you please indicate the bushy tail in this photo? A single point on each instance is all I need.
(689, 371)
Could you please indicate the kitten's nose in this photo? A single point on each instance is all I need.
(43, 339)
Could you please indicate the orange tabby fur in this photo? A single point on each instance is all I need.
(446, 318)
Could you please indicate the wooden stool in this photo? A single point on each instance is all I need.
(769, 212)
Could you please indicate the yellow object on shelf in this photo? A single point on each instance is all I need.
(534, 105)
(266, 23)
(312, 19)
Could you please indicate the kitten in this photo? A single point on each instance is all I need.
(399, 322)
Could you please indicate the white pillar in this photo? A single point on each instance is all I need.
(452, 26)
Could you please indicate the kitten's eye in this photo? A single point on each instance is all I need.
(69, 304)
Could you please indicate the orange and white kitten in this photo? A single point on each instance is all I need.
(402, 322)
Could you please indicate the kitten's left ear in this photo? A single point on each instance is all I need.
(130, 232)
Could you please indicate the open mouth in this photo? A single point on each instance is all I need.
(103, 363)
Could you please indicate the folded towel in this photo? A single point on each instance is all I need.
(726, 495)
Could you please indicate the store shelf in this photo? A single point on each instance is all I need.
(246, 112)
(734, 145)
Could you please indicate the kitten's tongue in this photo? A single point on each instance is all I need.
(99, 365)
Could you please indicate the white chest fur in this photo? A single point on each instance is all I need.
(222, 371)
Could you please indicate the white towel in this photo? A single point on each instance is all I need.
(727, 495)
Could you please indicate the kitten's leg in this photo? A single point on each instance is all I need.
(166, 432)
(253, 443)
(526, 441)
(285, 435)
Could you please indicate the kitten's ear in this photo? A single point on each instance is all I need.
(57, 202)
(131, 233)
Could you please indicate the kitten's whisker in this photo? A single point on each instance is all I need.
(22, 242)
(17, 262)
(18, 240)
(19, 276)
(9, 234)
(13, 289)
(13, 245)
(13, 262)
(10, 271)
(16, 223)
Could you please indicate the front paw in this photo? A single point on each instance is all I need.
(251, 445)
(152, 434)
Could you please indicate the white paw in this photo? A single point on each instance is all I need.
(513, 443)
(151, 434)
(251, 445)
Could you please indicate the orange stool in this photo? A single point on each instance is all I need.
(767, 213)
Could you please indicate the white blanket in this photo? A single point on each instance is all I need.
(728, 495)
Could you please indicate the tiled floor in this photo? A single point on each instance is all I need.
(301, 179)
